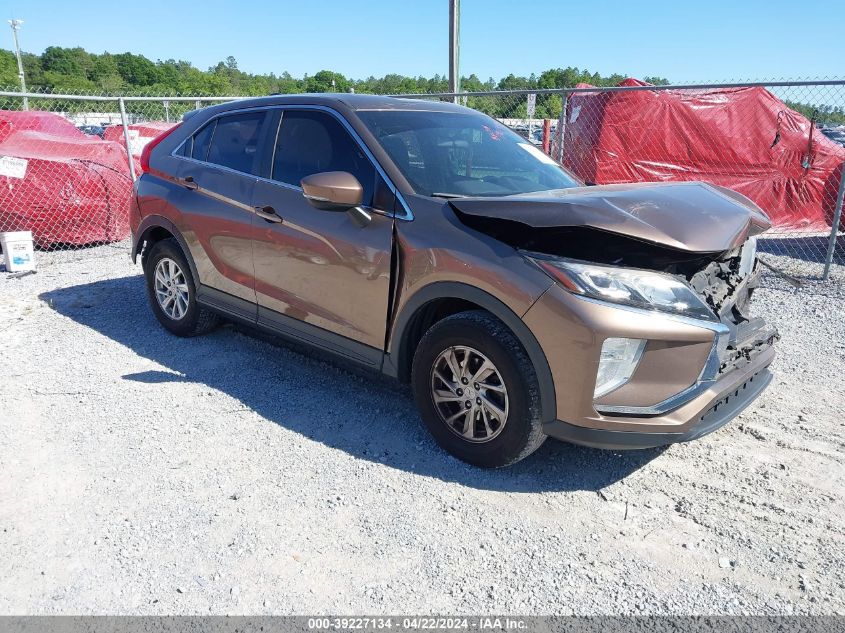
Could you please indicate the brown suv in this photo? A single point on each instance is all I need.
(429, 242)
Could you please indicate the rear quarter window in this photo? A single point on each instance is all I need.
(197, 146)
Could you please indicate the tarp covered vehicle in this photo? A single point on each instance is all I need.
(64, 186)
(745, 139)
(139, 135)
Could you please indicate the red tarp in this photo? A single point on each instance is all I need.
(64, 186)
(12, 121)
(139, 135)
(742, 138)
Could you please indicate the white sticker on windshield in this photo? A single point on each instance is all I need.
(13, 167)
(536, 153)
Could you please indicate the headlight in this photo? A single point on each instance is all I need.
(619, 359)
(628, 286)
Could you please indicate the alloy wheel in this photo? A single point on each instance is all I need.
(469, 394)
(171, 289)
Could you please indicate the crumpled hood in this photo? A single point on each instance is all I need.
(688, 216)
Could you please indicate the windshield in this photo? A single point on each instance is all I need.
(456, 154)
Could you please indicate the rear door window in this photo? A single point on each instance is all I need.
(311, 142)
(235, 142)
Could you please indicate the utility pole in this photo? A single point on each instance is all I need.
(16, 24)
(454, 46)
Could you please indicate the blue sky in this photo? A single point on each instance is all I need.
(681, 40)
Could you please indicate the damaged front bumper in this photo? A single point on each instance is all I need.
(717, 405)
(732, 348)
(694, 376)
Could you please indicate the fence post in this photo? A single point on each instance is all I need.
(561, 124)
(547, 141)
(126, 139)
(834, 229)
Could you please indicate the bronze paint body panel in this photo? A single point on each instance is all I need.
(436, 247)
(688, 216)
(333, 190)
(666, 368)
(323, 269)
(216, 220)
(571, 331)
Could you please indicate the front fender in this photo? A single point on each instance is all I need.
(399, 353)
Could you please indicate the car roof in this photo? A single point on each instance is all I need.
(350, 101)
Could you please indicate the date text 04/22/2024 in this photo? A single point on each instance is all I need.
(417, 623)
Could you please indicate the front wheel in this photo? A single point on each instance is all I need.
(477, 390)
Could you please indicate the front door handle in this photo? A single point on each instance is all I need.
(267, 213)
(189, 183)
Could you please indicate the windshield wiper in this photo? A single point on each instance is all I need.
(438, 194)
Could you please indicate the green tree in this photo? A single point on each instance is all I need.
(33, 69)
(105, 73)
(327, 81)
(136, 70)
(71, 84)
(74, 62)
(8, 70)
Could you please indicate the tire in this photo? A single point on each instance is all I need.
(182, 316)
(485, 441)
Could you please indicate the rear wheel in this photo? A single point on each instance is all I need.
(172, 291)
(477, 390)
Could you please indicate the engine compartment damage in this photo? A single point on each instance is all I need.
(725, 280)
(726, 284)
(590, 244)
(739, 353)
(723, 285)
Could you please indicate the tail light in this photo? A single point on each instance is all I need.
(148, 148)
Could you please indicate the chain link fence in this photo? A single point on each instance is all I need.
(67, 162)
(781, 144)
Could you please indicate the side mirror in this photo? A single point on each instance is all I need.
(332, 190)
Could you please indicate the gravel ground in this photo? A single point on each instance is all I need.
(145, 474)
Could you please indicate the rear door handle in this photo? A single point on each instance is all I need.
(189, 183)
(268, 213)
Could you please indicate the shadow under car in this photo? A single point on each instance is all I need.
(361, 413)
